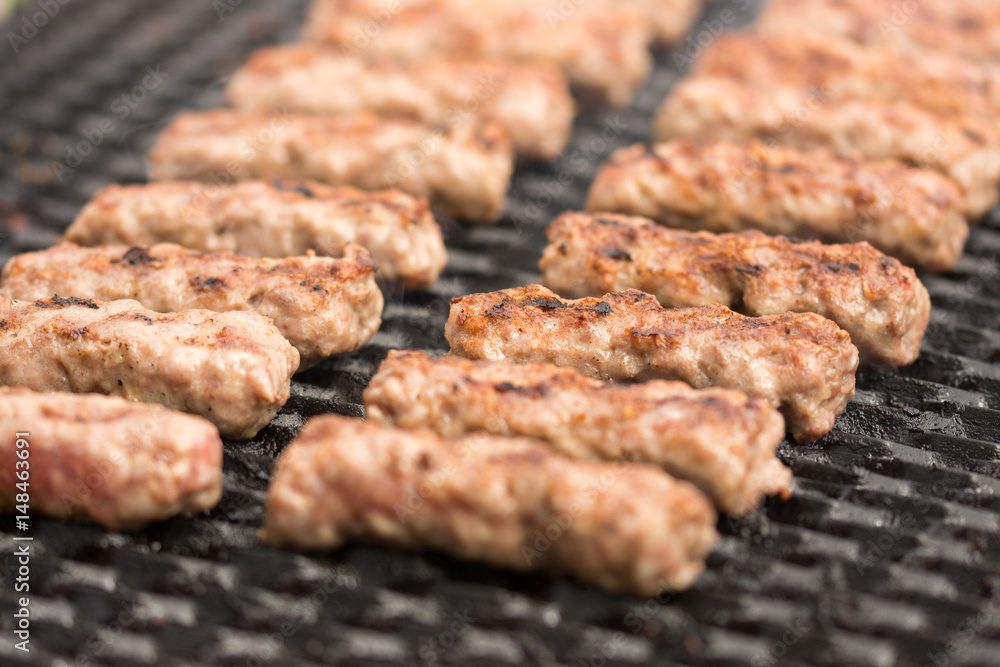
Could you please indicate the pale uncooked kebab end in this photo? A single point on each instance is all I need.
(114, 462)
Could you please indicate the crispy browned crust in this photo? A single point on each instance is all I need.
(625, 527)
(880, 302)
(801, 363)
(967, 28)
(913, 214)
(107, 460)
(233, 369)
(531, 100)
(463, 171)
(323, 306)
(938, 82)
(718, 439)
(271, 219)
(602, 46)
(724, 108)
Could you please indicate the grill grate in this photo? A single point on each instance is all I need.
(888, 553)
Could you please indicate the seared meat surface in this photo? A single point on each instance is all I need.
(323, 306)
(880, 302)
(718, 439)
(233, 369)
(913, 214)
(801, 363)
(723, 108)
(629, 528)
(966, 28)
(271, 219)
(938, 82)
(601, 45)
(463, 171)
(531, 100)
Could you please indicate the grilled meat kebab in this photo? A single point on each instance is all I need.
(718, 439)
(463, 171)
(800, 363)
(913, 214)
(601, 45)
(531, 100)
(271, 219)
(966, 28)
(233, 369)
(323, 306)
(513, 503)
(964, 148)
(878, 301)
(104, 459)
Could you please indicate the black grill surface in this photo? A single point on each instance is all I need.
(888, 552)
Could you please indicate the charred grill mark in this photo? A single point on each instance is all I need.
(537, 391)
(975, 137)
(57, 302)
(607, 221)
(750, 269)
(837, 267)
(551, 304)
(142, 318)
(500, 309)
(135, 256)
(616, 253)
(602, 307)
(299, 189)
(208, 283)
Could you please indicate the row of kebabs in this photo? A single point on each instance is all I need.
(434, 97)
(642, 531)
